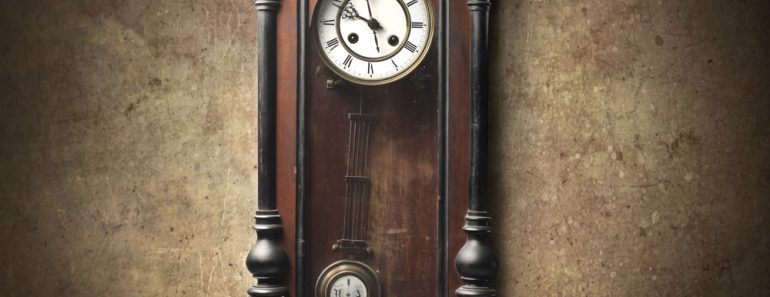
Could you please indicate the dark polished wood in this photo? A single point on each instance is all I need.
(286, 129)
(458, 124)
(476, 261)
(403, 171)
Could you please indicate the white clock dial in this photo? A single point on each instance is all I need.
(347, 278)
(373, 42)
(348, 286)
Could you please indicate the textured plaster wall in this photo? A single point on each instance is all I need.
(629, 153)
(631, 147)
(127, 149)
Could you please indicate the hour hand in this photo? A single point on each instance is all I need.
(350, 12)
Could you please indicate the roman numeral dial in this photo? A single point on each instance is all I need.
(373, 42)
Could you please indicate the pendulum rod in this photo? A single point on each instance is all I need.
(357, 186)
(357, 180)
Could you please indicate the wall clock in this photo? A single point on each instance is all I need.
(371, 149)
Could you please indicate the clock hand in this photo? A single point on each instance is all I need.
(373, 23)
(369, 7)
(377, 43)
(352, 13)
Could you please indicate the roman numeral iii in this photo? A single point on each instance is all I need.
(418, 25)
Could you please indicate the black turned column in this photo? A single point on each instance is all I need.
(267, 260)
(476, 262)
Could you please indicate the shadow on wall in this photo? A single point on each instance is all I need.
(629, 147)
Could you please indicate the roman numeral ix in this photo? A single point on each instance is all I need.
(328, 22)
(332, 44)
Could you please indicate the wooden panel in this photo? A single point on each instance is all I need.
(286, 127)
(403, 170)
(459, 132)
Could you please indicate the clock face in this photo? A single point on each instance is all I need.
(348, 286)
(373, 42)
(346, 278)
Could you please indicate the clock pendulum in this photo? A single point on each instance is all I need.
(350, 277)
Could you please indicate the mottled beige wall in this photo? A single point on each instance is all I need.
(630, 152)
(127, 148)
(631, 147)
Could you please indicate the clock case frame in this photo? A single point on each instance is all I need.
(278, 260)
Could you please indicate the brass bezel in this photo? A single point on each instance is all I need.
(378, 82)
(348, 267)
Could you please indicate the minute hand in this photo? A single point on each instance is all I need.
(369, 7)
(373, 24)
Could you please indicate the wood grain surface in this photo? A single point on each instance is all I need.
(403, 170)
(286, 126)
(459, 132)
(404, 205)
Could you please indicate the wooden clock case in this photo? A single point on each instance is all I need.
(427, 160)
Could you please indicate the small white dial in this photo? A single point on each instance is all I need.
(373, 42)
(348, 286)
(347, 278)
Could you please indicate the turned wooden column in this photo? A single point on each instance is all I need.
(476, 261)
(267, 260)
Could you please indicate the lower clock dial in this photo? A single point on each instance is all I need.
(347, 278)
(348, 285)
